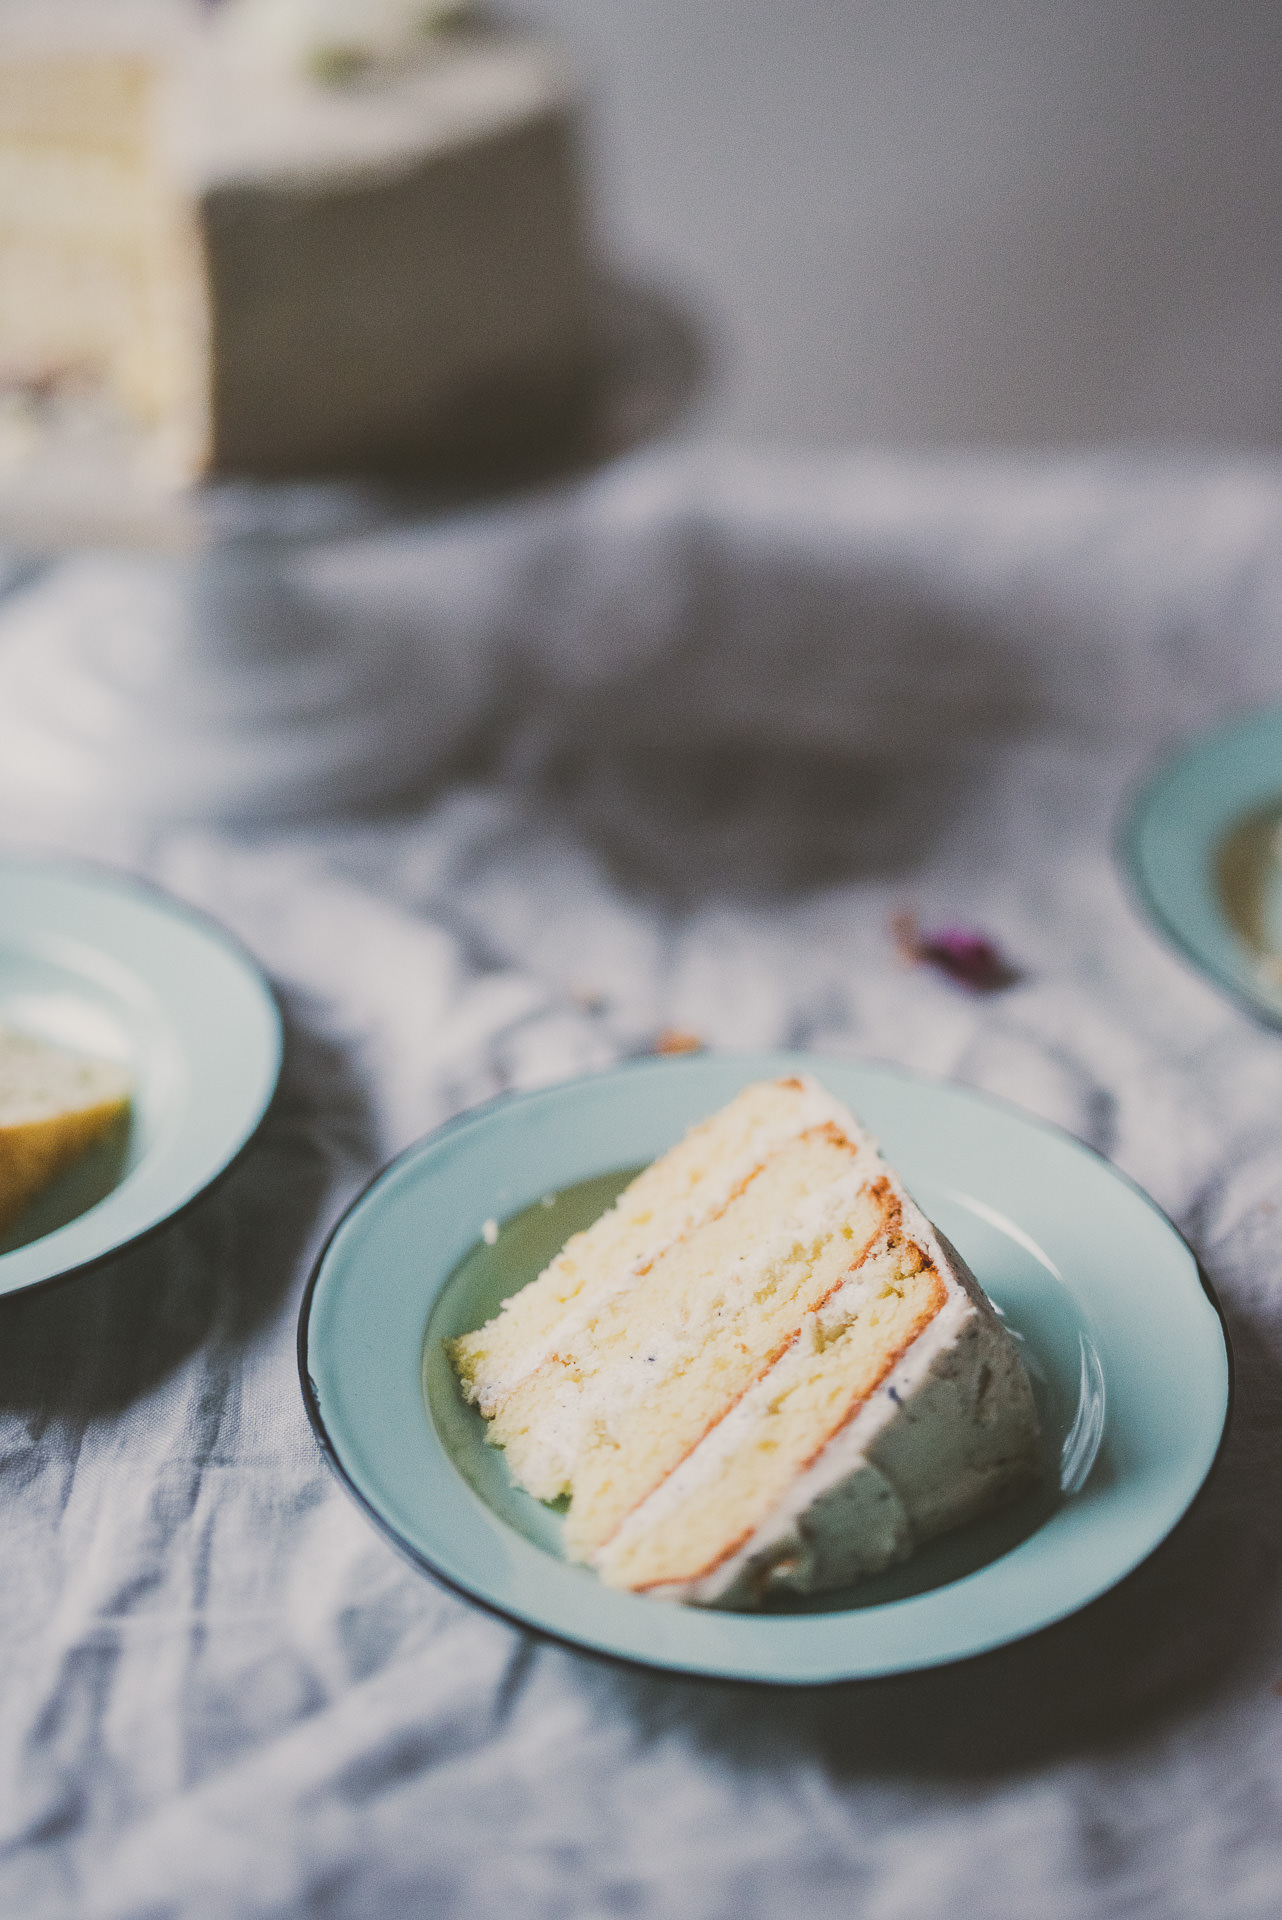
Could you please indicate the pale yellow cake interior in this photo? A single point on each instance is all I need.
(828, 1374)
(662, 1365)
(661, 1204)
(54, 1105)
(102, 289)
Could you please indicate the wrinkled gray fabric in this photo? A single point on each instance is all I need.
(746, 708)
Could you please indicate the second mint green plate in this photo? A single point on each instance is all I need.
(1126, 1348)
(1202, 846)
(110, 966)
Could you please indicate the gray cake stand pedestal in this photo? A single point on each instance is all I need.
(156, 682)
(166, 666)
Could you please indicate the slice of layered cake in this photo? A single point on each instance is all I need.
(54, 1106)
(762, 1370)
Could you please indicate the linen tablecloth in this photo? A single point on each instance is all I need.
(736, 711)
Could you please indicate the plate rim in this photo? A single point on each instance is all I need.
(1136, 808)
(104, 875)
(645, 1664)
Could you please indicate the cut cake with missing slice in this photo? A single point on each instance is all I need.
(54, 1106)
(253, 264)
(762, 1370)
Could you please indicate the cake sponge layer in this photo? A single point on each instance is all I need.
(670, 1200)
(617, 1408)
(841, 1354)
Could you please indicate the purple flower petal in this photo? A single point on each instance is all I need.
(961, 954)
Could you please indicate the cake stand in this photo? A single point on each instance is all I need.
(163, 660)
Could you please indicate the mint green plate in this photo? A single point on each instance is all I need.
(108, 965)
(1202, 845)
(1127, 1350)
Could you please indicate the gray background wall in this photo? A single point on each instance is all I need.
(925, 221)
(921, 221)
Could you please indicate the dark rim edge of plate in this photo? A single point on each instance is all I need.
(1133, 809)
(421, 1562)
(125, 881)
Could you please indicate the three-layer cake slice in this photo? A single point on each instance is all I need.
(763, 1369)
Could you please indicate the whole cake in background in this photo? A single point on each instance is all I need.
(289, 236)
(762, 1371)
